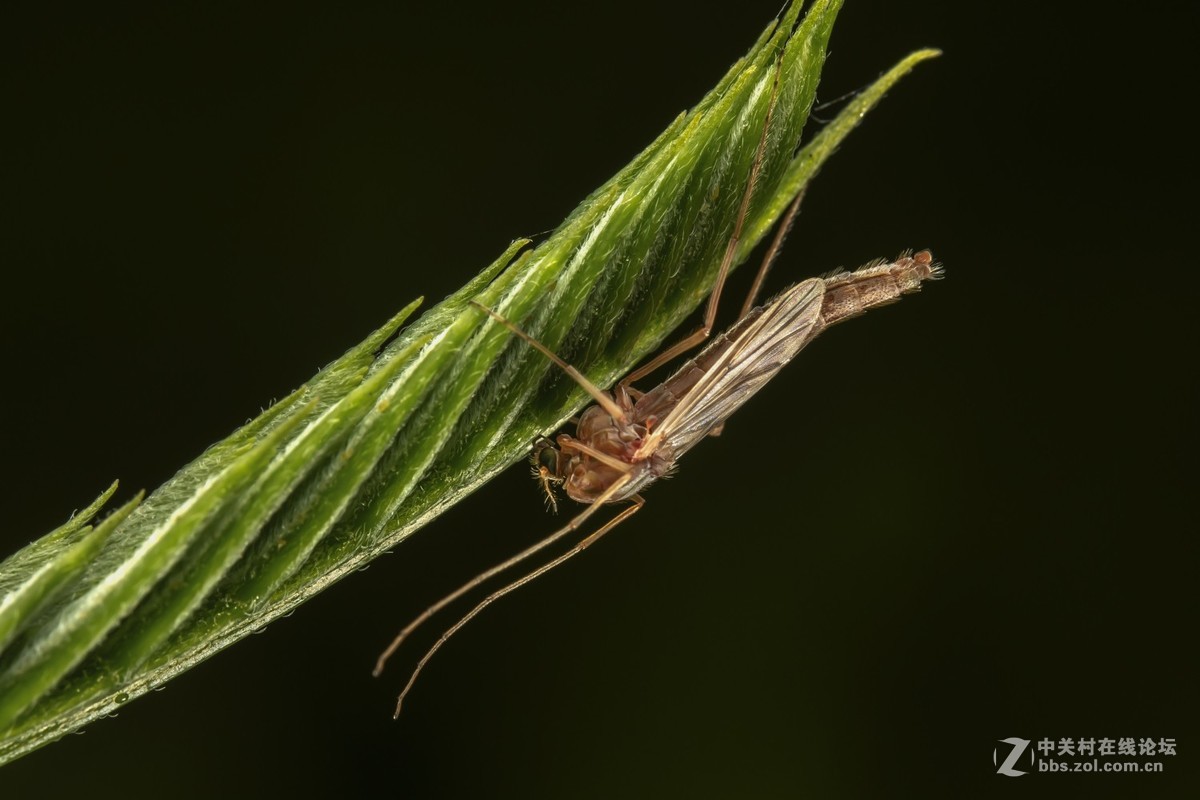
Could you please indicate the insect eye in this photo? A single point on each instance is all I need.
(546, 459)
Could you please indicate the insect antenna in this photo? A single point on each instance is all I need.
(543, 473)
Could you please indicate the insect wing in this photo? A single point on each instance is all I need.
(786, 325)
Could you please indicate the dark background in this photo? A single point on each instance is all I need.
(954, 521)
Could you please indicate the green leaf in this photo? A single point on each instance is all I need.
(35, 576)
(405, 424)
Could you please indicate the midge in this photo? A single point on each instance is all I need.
(630, 438)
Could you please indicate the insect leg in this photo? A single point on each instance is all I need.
(600, 396)
(714, 299)
(567, 443)
(781, 232)
(638, 502)
(492, 572)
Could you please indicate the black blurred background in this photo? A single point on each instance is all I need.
(954, 521)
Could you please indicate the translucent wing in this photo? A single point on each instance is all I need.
(753, 354)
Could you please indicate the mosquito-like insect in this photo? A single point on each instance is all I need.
(629, 439)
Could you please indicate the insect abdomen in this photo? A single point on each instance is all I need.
(849, 294)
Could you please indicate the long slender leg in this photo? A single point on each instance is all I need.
(599, 395)
(781, 232)
(488, 574)
(638, 502)
(567, 443)
(768, 260)
(710, 314)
